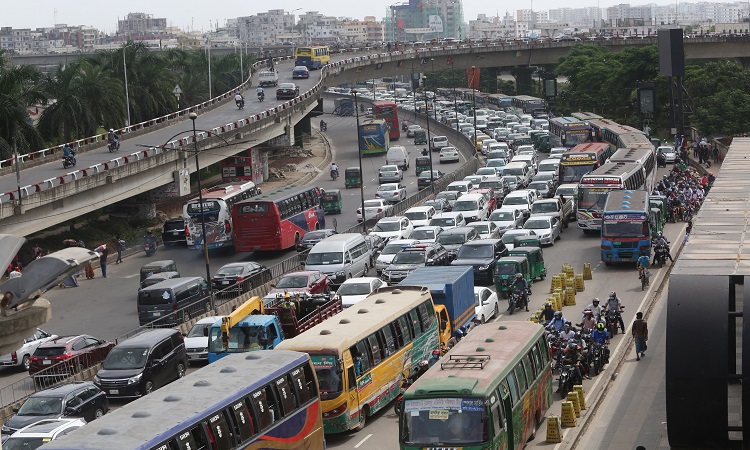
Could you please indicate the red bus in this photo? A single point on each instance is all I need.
(582, 159)
(277, 220)
(387, 110)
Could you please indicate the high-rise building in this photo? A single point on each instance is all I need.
(424, 19)
(141, 24)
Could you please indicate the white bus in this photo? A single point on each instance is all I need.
(645, 156)
(594, 187)
(216, 210)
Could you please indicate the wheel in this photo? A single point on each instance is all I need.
(362, 419)
(98, 413)
(149, 388)
(512, 307)
(367, 269)
(483, 319)
(185, 316)
(397, 407)
(497, 310)
(296, 239)
(26, 363)
(181, 370)
(644, 283)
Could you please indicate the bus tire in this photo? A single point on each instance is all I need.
(296, 239)
(362, 419)
(317, 225)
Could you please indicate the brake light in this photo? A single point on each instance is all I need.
(239, 279)
(13, 355)
(63, 356)
(336, 411)
(33, 358)
(380, 209)
(227, 226)
(395, 192)
(187, 232)
(278, 231)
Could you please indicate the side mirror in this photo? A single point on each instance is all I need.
(14, 410)
(69, 410)
(273, 285)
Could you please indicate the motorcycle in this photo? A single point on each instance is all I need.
(113, 146)
(660, 255)
(645, 279)
(596, 357)
(611, 323)
(404, 126)
(400, 397)
(149, 247)
(516, 301)
(323, 126)
(261, 96)
(566, 380)
(334, 174)
(240, 103)
(68, 161)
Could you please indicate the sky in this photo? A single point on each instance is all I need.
(203, 14)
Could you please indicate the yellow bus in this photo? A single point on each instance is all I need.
(362, 354)
(312, 57)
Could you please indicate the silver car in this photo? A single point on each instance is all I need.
(548, 228)
(390, 174)
(22, 356)
(391, 192)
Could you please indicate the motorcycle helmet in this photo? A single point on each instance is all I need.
(548, 305)
(589, 312)
(424, 364)
(558, 314)
(595, 302)
(600, 326)
(111, 130)
(613, 294)
(519, 275)
(436, 352)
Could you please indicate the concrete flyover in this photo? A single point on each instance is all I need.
(48, 195)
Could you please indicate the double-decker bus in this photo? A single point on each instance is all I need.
(646, 157)
(568, 132)
(277, 220)
(362, 354)
(582, 159)
(586, 116)
(388, 111)
(594, 187)
(312, 57)
(491, 391)
(619, 136)
(527, 104)
(216, 210)
(626, 229)
(268, 399)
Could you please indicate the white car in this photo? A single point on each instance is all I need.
(509, 236)
(391, 192)
(547, 227)
(353, 290)
(411, 129)
(389, 252)
(22, 356)
(448, 154)
(420, 215)
(485, 304)
(427, 233)
(485, 172)
(375, 209)
(473, 206)
(557, 150)
(669, 154)
(397, 227)
(508, 218)
(196, 341)
(486, 229)
(448, 220)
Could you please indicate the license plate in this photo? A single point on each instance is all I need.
(114, 391)
(46, 362)
(224, 282)
(156, 313)
(175, 233)
(192, 356)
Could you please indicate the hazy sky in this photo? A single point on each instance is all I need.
(200, 15)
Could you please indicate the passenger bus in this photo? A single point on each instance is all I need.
(527, 104)
(362, 354)
(646, 157)
(312, 57)
(502, 101)
(388, 111)
(374, 137)
(267, 399)
(216, 210)
(582, 159)
(568, 132)
(586, 116)
(626, 229)
(277, 220)
(619, 136)
(491, 391)
(594, 187)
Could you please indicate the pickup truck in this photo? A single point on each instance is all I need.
(555, 206)
(301, 314)
(268, 78)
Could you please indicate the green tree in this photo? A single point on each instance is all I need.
(19, 90)
(725, 112)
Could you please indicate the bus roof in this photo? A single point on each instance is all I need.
(475, 365)
(225, 190)
(352, 324)
(278, 194)
(566, 122)
(592, 147)
(636, 154)
(157, 416)
(636, 139)
(611, 169)
(585, 115)
(251, 320)
(622, 201)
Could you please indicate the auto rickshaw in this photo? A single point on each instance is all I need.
(506, 269)
(352, 177)
(536, 260)
(332, 201)
(661, 202)
(527, 241)
(423, 163)
(656, 220)
(420, 137)
(165, 265)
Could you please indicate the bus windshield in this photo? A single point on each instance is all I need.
(625, 229)
(444, 421)
(592, 199)
(329, 378)
(574, 173)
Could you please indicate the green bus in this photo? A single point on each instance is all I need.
(490, 391)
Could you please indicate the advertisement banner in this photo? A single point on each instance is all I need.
(436, 23)
(472, 75)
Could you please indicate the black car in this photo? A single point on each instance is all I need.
(424, 178)
(174, 232)
(287, 90)
(481, 255)
(313, 237)
(409, 259)
(240, 276)
(76, 399)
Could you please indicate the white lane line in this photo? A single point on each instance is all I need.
(363, 440)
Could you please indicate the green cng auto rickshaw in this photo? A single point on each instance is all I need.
(527, 241)
(423, 163)
(655, 220)
(420, 137)
(352, 177)
(536, 260)
(332, 201)
(506, 269)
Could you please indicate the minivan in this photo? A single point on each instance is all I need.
(473, 206)
(163, 299)
(462, 187)
(165, 265)
(143, 363)
(438, 142)
(520, 169)
(341, 256)
(398, 156)
(528, 159)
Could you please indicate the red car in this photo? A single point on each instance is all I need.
(489, 194)
(310, 281)
(75, 352)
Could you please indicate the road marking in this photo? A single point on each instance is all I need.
(131, 276)
(363, 440)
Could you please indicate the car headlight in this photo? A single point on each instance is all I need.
(546, 235)
(485, 267)
(6, 429)
(340, 273)
(97, 380)
(135, 379)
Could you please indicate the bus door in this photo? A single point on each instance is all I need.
(350, 383)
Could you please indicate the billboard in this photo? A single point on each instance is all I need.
(436, 23)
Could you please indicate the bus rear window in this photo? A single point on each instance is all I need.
(254, 208)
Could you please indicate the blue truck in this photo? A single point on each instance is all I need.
(253, 332)
(452, 287)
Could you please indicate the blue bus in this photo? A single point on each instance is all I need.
(568, 132)
(626, 228)
(265, 399)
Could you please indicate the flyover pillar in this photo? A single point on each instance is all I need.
(493, 73)
(524, 83)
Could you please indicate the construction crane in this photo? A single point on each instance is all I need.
(254, 305)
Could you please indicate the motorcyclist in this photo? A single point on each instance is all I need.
(239, 100)
(323, 125)
(404, 125)
(595, 308)
(424, 152)
(113, 139)
(573, 357)
(568, 332)
(149, 238)
(418, 371)
(557, 323)
(547, 313)
(614, 305)
(435, 357)
(334, 168)
(522, 285)
(662, 242)
(260, 93)
(589, 322)
(601, 336)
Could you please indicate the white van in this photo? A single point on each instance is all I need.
(521, 170)
(268, 78)
(420, 215)
(528, 159)
(462, 187)
(473, 206)
(398, 156)
(341, 256)
(438, 142)
(400, 92)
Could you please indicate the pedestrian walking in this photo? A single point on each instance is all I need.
(120, 247)
(103, 253)
(715, 152)
(37, 251)
(640, 333)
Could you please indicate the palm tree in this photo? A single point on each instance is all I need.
(191, 70)
(150, 83)
(86, 95)
(19, 90)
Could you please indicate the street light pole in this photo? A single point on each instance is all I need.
(125, 71)
(427, 116)
(474, 105)
(194, 116)
(359, 154)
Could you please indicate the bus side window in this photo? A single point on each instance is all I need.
(352, 382)
(287, 399)
(498, 422)
(273, 403)
(528, 369)
(300, 385)
(262, 410)
(521, 378)
(361, 358)
(414, 318)
(390, 342)
(425, 318)
(374, 347)
(513, 387)
(537, 362)
(222, 437)
(541, 344)
(406, 329)
(193, 439)
(243, 422)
